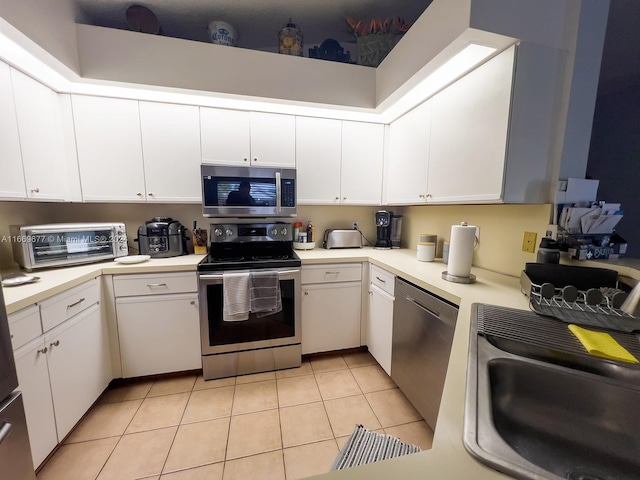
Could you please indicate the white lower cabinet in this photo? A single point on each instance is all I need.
(61, 373)
(380, 325)
(33, 376)
(158, 334)
(331, 308)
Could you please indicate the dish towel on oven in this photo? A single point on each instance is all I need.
(265, 293)
(236, 296)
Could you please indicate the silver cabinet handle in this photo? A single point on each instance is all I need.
(246, 159)
(154, 285)
(332, 273)
(306, 293)
(43, 350)
(139, 194)
(192, 302)
(54, 344)
(75, 304)
(35, 190)
(380, 280)
(150, 194)
(255, 159)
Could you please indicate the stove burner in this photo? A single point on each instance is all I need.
(228, 259)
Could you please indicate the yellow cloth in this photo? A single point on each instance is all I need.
(602, 345)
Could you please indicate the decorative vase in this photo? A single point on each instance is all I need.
(373, 48)
(290, 40)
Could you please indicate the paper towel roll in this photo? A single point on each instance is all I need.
(461, 250)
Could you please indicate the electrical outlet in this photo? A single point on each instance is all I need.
(355, 226)
(529, 242)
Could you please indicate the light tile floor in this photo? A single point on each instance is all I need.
(280, 425)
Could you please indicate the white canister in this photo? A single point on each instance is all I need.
(426, 251)
(221, 33)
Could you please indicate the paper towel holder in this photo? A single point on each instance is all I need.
(456, 278)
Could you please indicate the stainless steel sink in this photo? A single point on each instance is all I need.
(538, 407)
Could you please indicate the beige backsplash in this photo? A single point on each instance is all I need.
(501, 226)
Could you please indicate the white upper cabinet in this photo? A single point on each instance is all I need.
(362, 156)
(39, 118)
(408, 159)
(318, 156)
(226, 136)
(231, 137)
(171, 152)
(273, 139)
(12, 179)
(109, 149)
(469, 135)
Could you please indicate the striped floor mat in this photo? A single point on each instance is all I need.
(365, 446)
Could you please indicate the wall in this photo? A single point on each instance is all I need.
(614, 160)
(501, 226)
(134, 215)
(501, 230)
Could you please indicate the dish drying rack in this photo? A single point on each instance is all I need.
(590, 305)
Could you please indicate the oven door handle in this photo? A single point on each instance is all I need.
(219, 276)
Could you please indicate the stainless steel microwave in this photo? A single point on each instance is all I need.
(64, 244)
(229, 191)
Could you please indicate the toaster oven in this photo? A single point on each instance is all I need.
(63, 244)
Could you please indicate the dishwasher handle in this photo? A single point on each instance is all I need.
(426, 309)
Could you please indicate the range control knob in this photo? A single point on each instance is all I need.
(123, 247)
(274, 232)
(217, 232)
(229, 232)
(283, 231)
(119, 232)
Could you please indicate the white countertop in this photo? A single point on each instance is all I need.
(448, 458)
(57, 280)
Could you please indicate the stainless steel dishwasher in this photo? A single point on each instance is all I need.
(423, 327)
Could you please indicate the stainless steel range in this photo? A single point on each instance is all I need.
(242, 260)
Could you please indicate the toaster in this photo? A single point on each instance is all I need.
(342, 239)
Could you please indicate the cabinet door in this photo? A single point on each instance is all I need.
(361, 172)
(38, 111)
(171, 150)
(380, 326)
(273, 139)
(469, 135)
(330, 316)
(79, 366)
(318, 154)
(407, 161)
(12, 179)
(158, 334)
(225, 136)
(109, 149)
(33, 376)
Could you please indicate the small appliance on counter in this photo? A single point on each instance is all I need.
(342, 239)
(162, 237)
(388, 229)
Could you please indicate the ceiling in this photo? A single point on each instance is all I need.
(256, 21)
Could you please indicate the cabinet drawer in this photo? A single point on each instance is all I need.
(346, 272)
(136, 285)
(63, 306)
(24, 326)
(382, 279)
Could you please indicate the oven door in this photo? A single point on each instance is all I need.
(219, 336)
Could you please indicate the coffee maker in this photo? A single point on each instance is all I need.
(383, 229)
